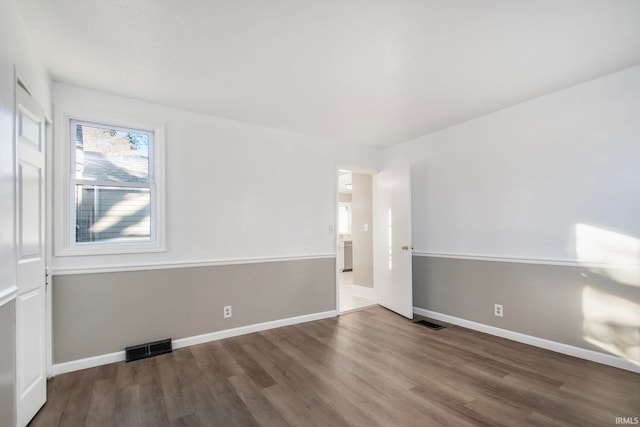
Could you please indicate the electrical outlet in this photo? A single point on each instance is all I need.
(227, 311)
(498, 310)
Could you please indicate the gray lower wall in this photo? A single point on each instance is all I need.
(595, 309)
(96, 314)
(7, 363)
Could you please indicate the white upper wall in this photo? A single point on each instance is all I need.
(554, 178)
(538, 180)
(15, 50)
(233, 190)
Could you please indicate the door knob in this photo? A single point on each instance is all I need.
(405, 247)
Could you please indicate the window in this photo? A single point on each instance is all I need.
(344, 218)
(112, 181)
(114, 188)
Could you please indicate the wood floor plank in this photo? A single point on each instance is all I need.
(58, 392)
(103, 402)
(154, 414)
(223, 360)
(178, 405)
(261, 409)
(206, 408)
(125, 376)
(189, 373)
(367, 368)
(106, 372)
(190, 420)
(312, 387)
(459, 413)
(77, 408)
(373, 397)
(128, 411)
(302, 413)
(500, 412)
(538, 420)
(248, 365)
(350, 404)
(232, 411)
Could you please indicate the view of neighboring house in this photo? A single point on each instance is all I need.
(105, 212)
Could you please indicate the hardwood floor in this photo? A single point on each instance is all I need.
(366, 368)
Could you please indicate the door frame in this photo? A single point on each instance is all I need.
(48, 240)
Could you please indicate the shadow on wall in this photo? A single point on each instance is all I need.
(611, 309)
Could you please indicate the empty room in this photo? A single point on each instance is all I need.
(297, 213)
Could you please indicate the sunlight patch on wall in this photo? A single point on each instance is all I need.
(615, 255)
(611, 323)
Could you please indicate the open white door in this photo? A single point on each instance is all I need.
(31, 384)
(392, 239)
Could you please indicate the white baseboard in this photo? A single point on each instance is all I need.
(228, 333)
(582, 353)
(363, 291)
(89, 362)
(119, 356)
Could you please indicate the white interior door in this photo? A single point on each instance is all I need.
(392, 239)
(30, 302)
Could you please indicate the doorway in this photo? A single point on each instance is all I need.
(355, 241)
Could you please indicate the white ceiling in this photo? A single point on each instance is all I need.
(374, 72)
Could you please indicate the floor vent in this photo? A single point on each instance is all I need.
(150, 349)
(429, 325)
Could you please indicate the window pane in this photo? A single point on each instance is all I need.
(344, 220)
(108, 214)
(109, 154)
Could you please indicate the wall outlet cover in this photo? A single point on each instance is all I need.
(227, 311)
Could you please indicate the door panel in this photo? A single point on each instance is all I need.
(30, 302)
(392, 239)
(31, 307)
(29, 128)
(29, 232)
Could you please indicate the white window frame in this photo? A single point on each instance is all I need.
(64, 189)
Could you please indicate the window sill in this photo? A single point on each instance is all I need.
(111, 249)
